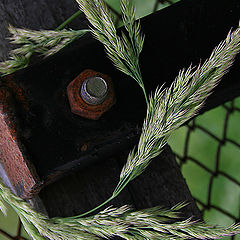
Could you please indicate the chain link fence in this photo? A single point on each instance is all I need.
(19, 231)
(209, 160)
(207, 150)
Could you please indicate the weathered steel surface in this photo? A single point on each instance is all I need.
(162, 184)
(186, 33)
(19, 170)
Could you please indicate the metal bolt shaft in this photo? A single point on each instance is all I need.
(94, 90)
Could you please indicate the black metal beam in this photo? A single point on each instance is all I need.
(177, 36)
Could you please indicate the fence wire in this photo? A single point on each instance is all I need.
(214, 165)
(185, 158)
(6, 235)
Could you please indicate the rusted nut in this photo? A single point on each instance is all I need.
(91, 94)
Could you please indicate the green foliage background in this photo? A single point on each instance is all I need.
(225, 194)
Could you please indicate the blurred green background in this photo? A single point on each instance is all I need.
(208, 150)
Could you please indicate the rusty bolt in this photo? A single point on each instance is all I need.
(94, 90)
(91, 94)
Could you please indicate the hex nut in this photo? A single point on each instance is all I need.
(79, 106)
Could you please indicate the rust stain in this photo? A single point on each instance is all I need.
(7, 108)
(18, 169)
(16, 90)
(84, 148)
(79, 106)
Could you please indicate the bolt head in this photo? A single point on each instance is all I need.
(94, 90)
(91, 94)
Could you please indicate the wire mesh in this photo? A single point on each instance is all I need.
(217, 175)
(209, 190)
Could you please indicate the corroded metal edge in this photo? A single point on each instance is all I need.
(19, 171)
